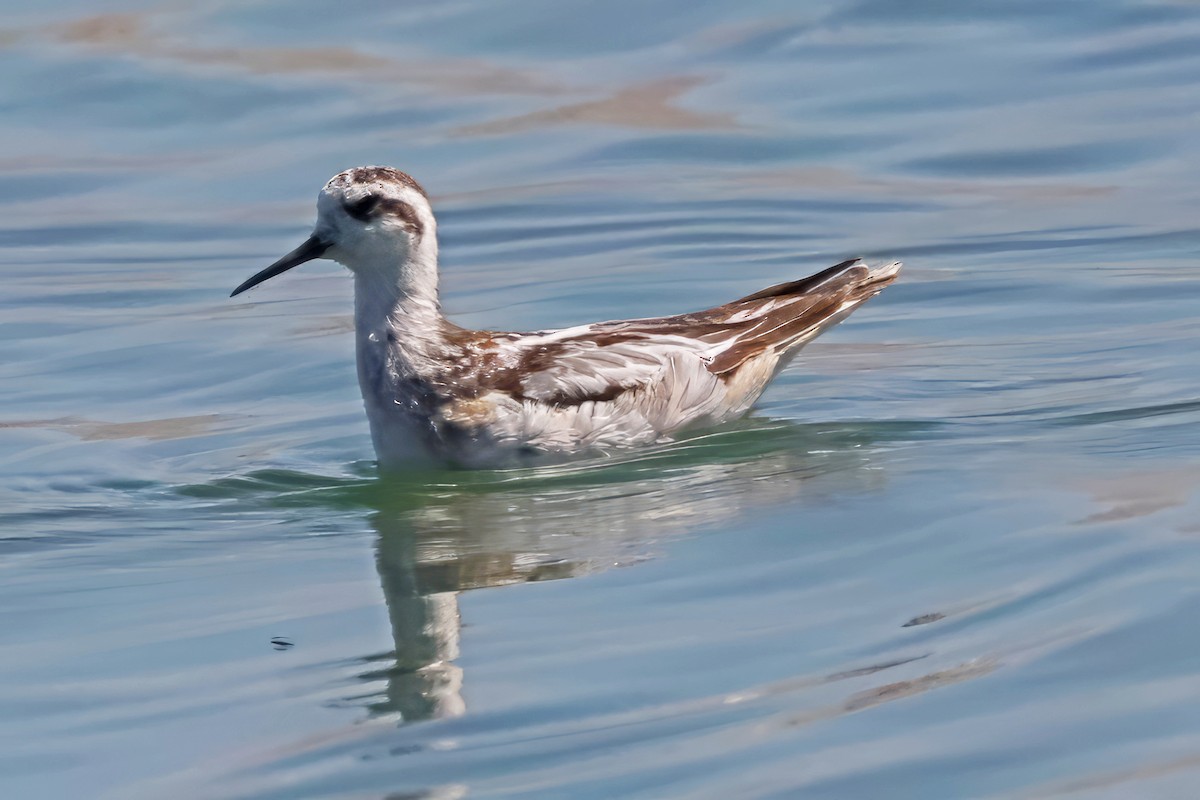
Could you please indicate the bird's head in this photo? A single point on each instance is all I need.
(368, 219)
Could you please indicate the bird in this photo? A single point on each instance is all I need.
(437, 394)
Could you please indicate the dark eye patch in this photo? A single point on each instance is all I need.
(362, 208)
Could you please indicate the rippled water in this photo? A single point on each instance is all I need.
(953, 554)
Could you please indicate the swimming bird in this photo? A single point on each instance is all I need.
(438, 393)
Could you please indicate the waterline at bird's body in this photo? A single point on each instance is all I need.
(435, 392)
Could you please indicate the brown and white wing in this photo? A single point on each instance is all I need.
(598, 363)
(601, 360)
(781, 319)
(671, 372)
(663, 377)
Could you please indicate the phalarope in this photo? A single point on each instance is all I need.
(437, 392)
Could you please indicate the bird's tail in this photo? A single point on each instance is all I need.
(782, 319)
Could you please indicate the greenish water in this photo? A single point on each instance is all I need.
(952, 554)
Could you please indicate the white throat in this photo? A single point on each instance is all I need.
(396, 292)
(399, 332)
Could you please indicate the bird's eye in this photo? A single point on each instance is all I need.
(362, 208)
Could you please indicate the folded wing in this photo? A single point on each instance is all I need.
(682, 367)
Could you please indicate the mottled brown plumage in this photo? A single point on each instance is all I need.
(485, 398)
(768, 321)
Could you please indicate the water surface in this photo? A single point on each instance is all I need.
(952, 554)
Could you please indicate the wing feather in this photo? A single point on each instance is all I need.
(678, 364)
(588, 368)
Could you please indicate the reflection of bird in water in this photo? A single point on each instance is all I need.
(531, 525)
(438, 392)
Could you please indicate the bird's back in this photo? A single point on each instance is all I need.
(627, 382)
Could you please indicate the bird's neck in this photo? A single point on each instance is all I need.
(396, 303)
(400, 345)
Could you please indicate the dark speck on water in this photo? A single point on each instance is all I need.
(1010, 433)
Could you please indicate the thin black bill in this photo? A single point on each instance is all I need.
(312, 248)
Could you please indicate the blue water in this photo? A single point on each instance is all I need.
(952, 554)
